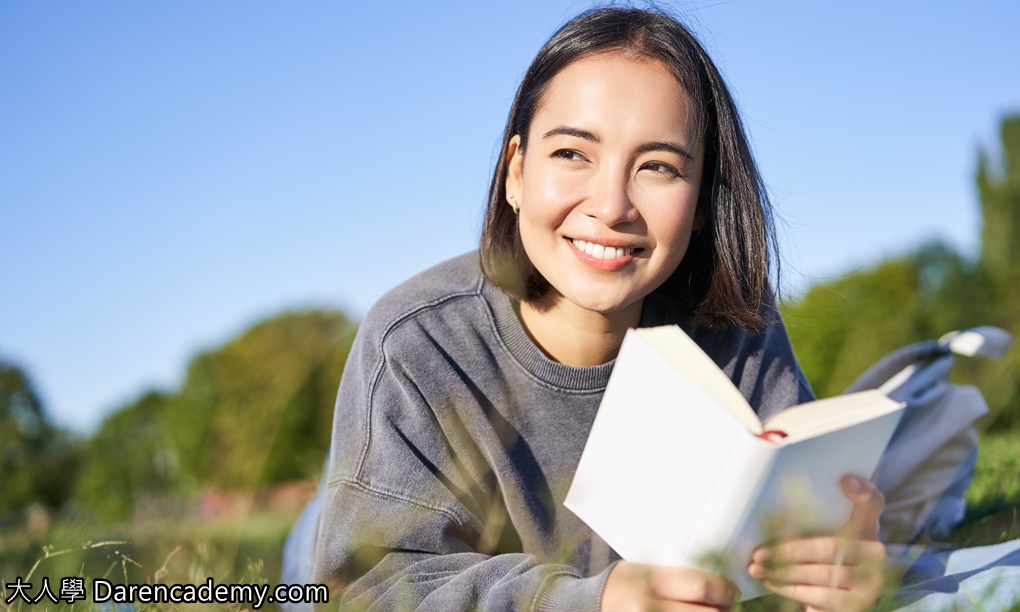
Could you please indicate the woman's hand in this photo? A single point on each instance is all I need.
(637, 587)
(842, 572)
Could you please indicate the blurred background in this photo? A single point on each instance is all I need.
(199, 201)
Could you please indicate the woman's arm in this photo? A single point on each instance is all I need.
(412, 516)
(397, 554)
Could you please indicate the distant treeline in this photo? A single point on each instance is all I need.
(258, 410)
(254, 412)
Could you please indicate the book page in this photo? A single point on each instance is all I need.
(802, 495)
(653, 460)
(687, 357)
(827, 415)
(804, 484)
(742, 477)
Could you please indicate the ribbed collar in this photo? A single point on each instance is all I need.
(521, 347)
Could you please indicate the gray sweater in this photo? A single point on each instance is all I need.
(454, 442)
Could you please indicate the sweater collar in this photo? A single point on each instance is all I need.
(591, 378)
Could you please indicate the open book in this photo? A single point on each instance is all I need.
(678, 470)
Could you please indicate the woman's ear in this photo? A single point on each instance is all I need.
(514, 167)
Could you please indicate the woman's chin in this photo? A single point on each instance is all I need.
(606, 305)
(583, 297)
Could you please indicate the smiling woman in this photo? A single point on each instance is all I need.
(625, 196)
(607, 167)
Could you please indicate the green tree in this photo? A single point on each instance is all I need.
(129, 459)
(256, 411)
(259, 409)
(37, 459)
(998, 181)
(841, 328)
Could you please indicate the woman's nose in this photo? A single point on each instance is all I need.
(610, 200)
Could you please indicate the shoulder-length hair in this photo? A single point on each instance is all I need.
(724, 277)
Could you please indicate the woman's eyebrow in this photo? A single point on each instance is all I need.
(665, 146)
(569, 131)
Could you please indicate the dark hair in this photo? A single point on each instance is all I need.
(723, 279)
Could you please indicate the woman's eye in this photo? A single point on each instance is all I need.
(569, 155)
(662, 168)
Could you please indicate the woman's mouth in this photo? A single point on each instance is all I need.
(602, 257)
(598, 251)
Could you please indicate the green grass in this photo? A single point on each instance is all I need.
(993, 498)
(163, 551)
(248, 550)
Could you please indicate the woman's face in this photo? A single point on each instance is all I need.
(608, 186)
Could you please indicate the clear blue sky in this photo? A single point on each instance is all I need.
(170, 172)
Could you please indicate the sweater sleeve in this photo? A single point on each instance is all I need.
(409, 521)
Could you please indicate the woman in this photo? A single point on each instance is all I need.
(626, 196)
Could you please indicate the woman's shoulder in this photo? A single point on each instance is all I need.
(439, 286)
(761, 364)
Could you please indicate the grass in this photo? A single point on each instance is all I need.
(191, 549)
(165, 551)
(993, 498)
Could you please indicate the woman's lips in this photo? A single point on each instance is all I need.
(601, 251)
(601, 256)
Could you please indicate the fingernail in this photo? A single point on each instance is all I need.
(756, 571)
(854, 484)
(761, 555)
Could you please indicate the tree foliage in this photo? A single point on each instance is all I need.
(998, 181)
(37, 459)
(841, 328)
(259, 409)
(130, 458)
(253, 412)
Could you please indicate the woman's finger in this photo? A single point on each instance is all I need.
(816, 574)
(821, 574)
(822, 598)
(868, 505)
(822, 549)
(681, 584)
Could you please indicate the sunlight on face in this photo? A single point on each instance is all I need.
(608, 186)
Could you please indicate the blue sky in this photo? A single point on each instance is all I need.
(172, 172)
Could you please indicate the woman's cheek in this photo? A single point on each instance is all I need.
(563, 189)
(551, 185)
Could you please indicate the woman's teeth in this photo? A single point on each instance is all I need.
(601, 252)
